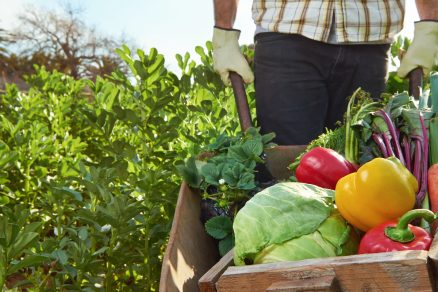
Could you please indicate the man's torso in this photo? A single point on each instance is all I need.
(341, 21)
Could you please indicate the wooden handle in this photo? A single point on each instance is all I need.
(241, 101)
(415, 82)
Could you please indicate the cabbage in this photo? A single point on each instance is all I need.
(291, 221)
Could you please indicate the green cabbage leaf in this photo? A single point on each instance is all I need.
(291, 221)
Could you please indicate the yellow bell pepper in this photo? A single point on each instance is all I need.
(381, 190)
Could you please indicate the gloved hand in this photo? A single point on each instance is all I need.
(228, 57)
(423, 51)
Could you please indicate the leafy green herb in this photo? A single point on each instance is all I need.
(229, 167)
(221, 228)
(359, 106)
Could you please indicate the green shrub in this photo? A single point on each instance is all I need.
(88, 183)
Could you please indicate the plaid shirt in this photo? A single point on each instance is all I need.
(349, 21)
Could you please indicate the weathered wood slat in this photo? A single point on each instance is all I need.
(280, 157)
(394, 271)
(207, 283)
(433, 262)
(190, 252)
(321, 284)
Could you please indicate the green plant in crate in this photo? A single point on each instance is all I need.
(225, 174)
(221, 229)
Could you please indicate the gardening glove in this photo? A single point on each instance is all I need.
(423, 51)
(228, 57)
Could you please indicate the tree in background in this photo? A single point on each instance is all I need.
(9, 62)
(3, 39)
(62, 42)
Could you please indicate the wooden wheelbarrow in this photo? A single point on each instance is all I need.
(192, 263)
(191, 252)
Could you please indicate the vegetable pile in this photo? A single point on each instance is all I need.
(382, 162)
(369, 185)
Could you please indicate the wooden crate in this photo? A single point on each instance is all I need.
(391, 271)
(191, 261)
(190, 251)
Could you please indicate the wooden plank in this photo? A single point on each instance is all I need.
(432, 262)
(190, 252)
(320, 284)
(279, 158)
(393, 271)
(207, 283)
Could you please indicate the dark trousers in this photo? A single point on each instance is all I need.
(302, 86)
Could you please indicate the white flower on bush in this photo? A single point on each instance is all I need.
(105, 228)
(56, 232)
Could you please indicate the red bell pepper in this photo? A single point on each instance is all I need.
(398, 236)
(323, 167)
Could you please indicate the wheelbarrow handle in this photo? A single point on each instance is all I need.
(241, 101)
(263, 174)
(415, 82)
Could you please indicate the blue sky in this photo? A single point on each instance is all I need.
(171, 26)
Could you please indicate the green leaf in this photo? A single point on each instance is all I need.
(3, 199)
(179, 60)
(125, 54)
(219, 227)
(253, 148)
(83, 233)
(267, 138)
(211, 173)
(32, 227)
(70, 192)
(433, 142)
(200, 51)
(246, 182)
(190, 173)
(238, 153)
(277, 214)
(100, 251)
(226, 244)
(21, 242)
(434, 92)
(60, 256)
(28, 261)
(141, 71)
